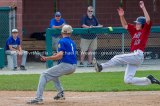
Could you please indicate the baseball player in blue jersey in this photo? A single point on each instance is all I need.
(13, 48)
(67, 57)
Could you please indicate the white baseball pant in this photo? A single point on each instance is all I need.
(133, 60)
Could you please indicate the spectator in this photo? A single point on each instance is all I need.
(56, 22)
(88, 42)
(13, 48)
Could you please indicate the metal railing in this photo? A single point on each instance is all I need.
(109, 43)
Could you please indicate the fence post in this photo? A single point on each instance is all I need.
(122, 42)
(2, 58)
(49, 50)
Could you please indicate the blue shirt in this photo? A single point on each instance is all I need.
(89, 21)
(13, 42)
(69, 49)
(54, 22)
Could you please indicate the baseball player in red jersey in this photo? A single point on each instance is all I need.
(139, 34)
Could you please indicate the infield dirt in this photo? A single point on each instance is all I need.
(138, 98)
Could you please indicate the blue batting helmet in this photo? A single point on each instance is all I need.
(140, 20)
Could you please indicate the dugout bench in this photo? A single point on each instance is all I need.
(31, 44)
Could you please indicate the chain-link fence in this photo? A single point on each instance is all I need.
(109, 43)
(4, 28)
(7, 22)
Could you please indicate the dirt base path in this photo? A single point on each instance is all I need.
(140, 98)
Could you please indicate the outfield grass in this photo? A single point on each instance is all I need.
(84, 82)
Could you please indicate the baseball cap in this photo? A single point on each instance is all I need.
(14, 30)
(140, 20)
(67, 29)
(57, 13)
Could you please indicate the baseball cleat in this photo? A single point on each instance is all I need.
(15, 69)
(97, 66)
(59, 96)
(81, 64)
(153, 80)
(22, 67)
(35, 101)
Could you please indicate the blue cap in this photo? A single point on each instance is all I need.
(57, 13)
(140, 20)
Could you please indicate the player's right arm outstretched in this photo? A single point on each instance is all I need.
(142, 6)
(122, 19)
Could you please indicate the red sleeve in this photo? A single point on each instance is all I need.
(147, 27)
(131, 29)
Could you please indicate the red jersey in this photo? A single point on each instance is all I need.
(139, 37)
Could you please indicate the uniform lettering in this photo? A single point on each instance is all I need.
(137, 38)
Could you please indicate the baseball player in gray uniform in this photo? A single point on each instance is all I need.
(67, 58)
(139, 34)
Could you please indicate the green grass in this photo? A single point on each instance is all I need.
(84, 82)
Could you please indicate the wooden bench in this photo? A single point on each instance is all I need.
(31, 44)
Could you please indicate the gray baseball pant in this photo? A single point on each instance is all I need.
(14, 56)
(53, 74)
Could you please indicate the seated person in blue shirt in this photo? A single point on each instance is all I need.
(56, 22)
(13, 48)
(67, 57)
(88, 41)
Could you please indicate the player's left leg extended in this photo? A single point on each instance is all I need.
(130, 79)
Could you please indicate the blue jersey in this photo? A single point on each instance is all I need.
(54, 22)
(69, 48)
(13, 42)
